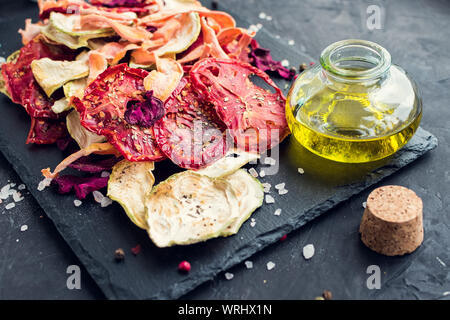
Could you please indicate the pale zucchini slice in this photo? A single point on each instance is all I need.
(13, 57)
(71, 88)
(80, 134)
(70, 24)
(189, 208)
(250, 194)
(3, 86)
(72, 42)
(129, 184)
(186, 36)
(61, 105)
(75, 88)
(51, 74)
(228, 164)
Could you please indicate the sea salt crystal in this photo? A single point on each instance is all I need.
(262, 173)
(24, 228)
(270, 161)
(280, 186)
(253, 172)
(266, 187)
(269, 18)
(4, 192)
(248, 264)
(364, 204)
(282, 191)
(104, 174)
(44, 184)
(21, 187)
(262, 15)
(277, 212)
(229, 275)
(98, 196)
(441, 262)
(10, 206)
(270, 265)
(105, 202)
(308, 251)
(301, 171)
(259, 26)
(253, 28)
(285, 63)
(17, 196)
(77, 203)
(269, 199)
(252, 222)
(2, 60)
(291, 42)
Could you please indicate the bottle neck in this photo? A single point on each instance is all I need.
(355, 61)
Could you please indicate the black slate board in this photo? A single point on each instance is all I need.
(94, 233)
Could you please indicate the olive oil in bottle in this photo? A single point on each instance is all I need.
(355, 107)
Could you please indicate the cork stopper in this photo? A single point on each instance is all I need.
(392, 221)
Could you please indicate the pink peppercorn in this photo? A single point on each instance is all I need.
(283, 237)
(184, 266)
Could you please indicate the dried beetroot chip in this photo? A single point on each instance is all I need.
(254, 115)
(18, 76)
(46, 131)
(262, 59)
(102, 111)
(190, 134)
(144, 113)
(83, 186)
(120, 3)
(87, 164)
(151, 29)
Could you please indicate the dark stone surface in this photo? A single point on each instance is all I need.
(340, 261)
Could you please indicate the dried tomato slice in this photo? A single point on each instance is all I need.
(254, 115)
(190, 134)
(46, 131)
(102, 111)
(18, 75)
(36, 102)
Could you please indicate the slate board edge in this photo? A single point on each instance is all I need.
(111, 291)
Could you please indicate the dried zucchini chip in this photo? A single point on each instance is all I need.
(184, 37)
(73, 42)
(51, 74)
(129, 184)
(80, 134)
(188, 208)
(70, 24)
(250, 194)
